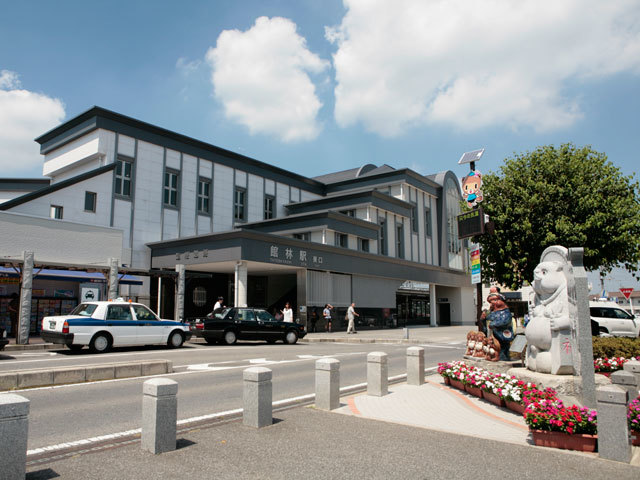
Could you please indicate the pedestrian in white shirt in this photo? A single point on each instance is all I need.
(351, 314)
(288, 313)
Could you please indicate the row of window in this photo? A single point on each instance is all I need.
(90, 202)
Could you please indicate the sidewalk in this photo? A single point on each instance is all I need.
(430, 431)
(416, 334)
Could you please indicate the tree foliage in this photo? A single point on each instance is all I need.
(566, 196)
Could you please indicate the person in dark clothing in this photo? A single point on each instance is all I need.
(14, 307)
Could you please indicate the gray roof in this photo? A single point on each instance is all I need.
(363, 171)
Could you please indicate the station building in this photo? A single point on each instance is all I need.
(245, 230)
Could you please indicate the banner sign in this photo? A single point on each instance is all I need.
(471, 223)
(476, 276)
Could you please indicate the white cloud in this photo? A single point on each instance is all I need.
(261, 76)
(406, 63)
(23, 116)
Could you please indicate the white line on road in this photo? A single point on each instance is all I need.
(186, 421)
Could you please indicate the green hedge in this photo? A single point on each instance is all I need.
(616, 347)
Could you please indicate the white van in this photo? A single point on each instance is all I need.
(607, 318)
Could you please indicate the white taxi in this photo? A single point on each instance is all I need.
(102, 325)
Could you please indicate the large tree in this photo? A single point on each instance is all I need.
(566, 196)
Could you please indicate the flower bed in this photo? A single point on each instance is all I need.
(633, 417)
(543, 411)
(610, 365)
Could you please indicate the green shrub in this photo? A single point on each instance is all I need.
(616, 347)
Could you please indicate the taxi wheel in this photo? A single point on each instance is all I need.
(230, 337)
(291, 337)
(175, 340)
(100, 343)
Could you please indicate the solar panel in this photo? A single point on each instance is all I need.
(469, 157)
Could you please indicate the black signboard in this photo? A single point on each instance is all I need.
(471, 223)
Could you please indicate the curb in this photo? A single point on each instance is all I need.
(365, 340)
(12, 347)
(17, 380)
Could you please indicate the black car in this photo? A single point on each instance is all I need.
(231, 324)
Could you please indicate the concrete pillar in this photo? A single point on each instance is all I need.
(24, 320)
(626, 381)
(257, 396)
(633, 366)
(14, 431)
(583, 354)
(327, 383)
(113, 278)
(241, 284)
(415, 366)
(159, 415)
(613, 431)
(433, 311)
(179, 310)
(377, 374)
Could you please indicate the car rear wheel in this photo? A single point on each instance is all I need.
(75, 348)
(291, 337)
(230, 337)
(604, 332)
(176, 339)
(100, 343)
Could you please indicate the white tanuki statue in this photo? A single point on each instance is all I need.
(553, 316)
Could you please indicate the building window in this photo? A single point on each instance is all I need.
(382, 238)
(400, 241)
(427, 221)
(306, 236)
(123, 177)
(200, 296)
(240, 204)
(171, 188)
(269, 204)
(363, 244)
(204, 196)
(342, 240)
(414, 218)
(350, 213)
(90, 201)
(56, 212)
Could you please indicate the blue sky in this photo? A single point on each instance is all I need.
(326, 85)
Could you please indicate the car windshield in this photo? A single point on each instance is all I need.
(84, 309)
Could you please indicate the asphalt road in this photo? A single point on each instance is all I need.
(209, 378)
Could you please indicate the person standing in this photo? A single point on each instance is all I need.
(313, 319)
(287, 312)
(219, 304)
(351, 314)
(326, 313)
(13, 314)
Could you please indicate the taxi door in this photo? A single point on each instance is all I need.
(120, 323)
(150, 328)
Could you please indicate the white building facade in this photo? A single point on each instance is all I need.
(254, 233)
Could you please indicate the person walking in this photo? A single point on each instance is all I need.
(13, 314)
(287, 312)
(351, 314)
(326, 313)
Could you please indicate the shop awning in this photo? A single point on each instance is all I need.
(71, 276)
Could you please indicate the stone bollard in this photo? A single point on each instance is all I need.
(159, 415)
(14, 430)
(258, 395)
(415, 366)
(633, 366)
(327, 383)
(627, 381)
(377, 374)
(613, 432)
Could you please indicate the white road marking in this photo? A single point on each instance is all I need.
(185, 421)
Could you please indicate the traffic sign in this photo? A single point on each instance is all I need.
(626, 292)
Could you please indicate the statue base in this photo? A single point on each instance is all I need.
(493, 367)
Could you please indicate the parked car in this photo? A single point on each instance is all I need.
(101, 325)
(3, 338)
(607, 318)
(231, 324)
